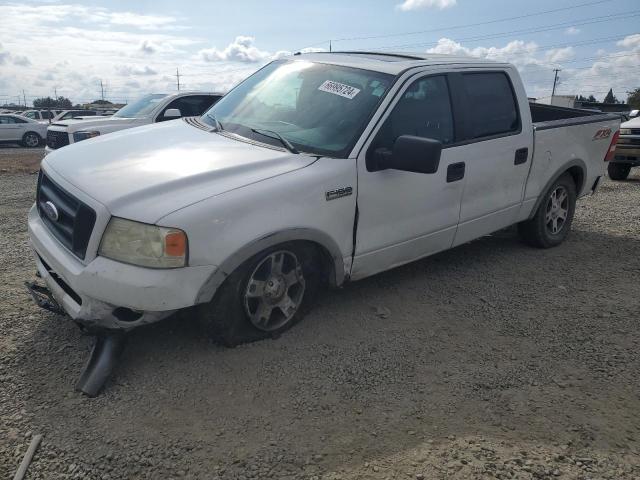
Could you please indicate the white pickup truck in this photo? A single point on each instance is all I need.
(152, 108)
(320, 168)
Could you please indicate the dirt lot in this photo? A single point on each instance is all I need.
(493, 360)
(16, 159)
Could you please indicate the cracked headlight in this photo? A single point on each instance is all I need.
(143, 244)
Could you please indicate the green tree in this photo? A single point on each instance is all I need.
(610, 98)
(634, 99)
(48, 102)
(591, 99)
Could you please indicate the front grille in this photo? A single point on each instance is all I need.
(64, 285)
(57, 139)
(75, 220)
(628, 141)
(635, 131)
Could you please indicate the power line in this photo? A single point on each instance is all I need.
(468, 25)
(526, 31)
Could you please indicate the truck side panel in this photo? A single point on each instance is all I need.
(582, 146)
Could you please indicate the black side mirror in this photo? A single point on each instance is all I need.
(410, 154)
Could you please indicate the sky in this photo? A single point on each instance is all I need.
(135, 47)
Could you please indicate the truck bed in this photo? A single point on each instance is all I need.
(563, 138)
(551, 116)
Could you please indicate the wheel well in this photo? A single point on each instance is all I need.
(323, 257)
(577, 174)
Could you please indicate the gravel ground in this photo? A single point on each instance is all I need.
(493, 360)
(16, 159)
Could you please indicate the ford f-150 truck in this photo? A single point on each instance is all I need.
(152, 108)
(319, 168)
(627, 150)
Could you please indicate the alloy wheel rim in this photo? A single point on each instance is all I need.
(557, 210)
(31, 141)
(274, 291)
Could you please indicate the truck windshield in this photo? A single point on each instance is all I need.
(141, 107)
(319, 108)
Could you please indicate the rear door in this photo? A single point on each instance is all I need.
(10, 129)
(403, 215)
(497, 151)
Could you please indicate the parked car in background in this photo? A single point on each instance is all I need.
(18, 129)
(316, 169)
(73, 114)
(41, 115)
(627, 153)
(152, 108)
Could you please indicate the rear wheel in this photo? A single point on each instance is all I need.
(618, 171)
(552, 222)
(265, 296)
(31, 139)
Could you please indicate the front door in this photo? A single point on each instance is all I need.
(402, 215)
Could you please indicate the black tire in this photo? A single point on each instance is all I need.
(31, 140)
(542, 231)
(618, 171)
(226, 319)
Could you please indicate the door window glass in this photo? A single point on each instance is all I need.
(423, 111)
(492, 107)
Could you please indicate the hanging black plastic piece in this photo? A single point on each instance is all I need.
(104, 357)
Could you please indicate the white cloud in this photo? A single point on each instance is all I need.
(611, 69)
(6, 57)
(129, 70)
(408, 5)
(572, 31)
(556, 55)
(148, 47)
(21, 60)
(631, 41)
(240, 50)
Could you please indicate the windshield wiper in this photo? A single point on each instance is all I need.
(218, 125)
(277, 136)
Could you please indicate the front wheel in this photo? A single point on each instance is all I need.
(265, 296)
(31, 140)
(552, 221)
(618, 171)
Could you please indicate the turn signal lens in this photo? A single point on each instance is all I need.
(175, 244)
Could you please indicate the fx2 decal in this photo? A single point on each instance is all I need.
(602, 134)
(338, 192)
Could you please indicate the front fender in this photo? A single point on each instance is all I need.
(337, 274)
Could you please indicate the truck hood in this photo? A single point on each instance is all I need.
(148, 172)
(97, 122)
(633, 123)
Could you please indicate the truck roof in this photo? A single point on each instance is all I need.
(392, 62)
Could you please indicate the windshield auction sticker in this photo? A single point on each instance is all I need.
(341, 89)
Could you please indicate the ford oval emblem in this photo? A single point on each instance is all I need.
(51, 211)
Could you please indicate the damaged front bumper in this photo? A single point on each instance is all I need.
(104, 294)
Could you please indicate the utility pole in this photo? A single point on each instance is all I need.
(178, 78)
(101, 90)
(330, 45)
(55, 92)
(24, 97)
(555, 82)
